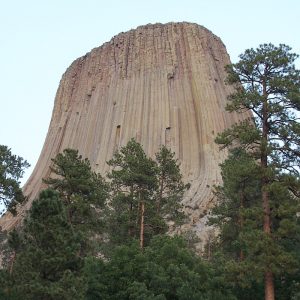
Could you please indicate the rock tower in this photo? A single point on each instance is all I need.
(160, 84)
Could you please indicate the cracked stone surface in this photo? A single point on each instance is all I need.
(161, 84)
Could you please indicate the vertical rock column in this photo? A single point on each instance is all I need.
(161, 84)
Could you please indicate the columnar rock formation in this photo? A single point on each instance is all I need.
(161, 84)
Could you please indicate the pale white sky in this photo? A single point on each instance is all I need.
(39, 39)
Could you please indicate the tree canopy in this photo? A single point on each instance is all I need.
(11, 171)
(82, 190)
(267, 147)
(47, 264)
(166, 269)
(146, 194)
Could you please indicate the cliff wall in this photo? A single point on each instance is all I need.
(161, 84)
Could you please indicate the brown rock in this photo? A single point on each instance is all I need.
(161, 84)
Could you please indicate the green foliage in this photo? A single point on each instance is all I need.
(131, 167)
(6, 286)
(47, 264)
(247, 251)
(258, 208)
(11, 170)
(166, 269)
(170, 186)
(143, 188)
(239, 203)
(133, 183)
(74, 177)
(5, 249)
(82, 191)
(235, 279)
(267, 84)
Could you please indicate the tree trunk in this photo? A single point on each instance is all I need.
(131, 226)
(241, 219)
(161, 187)
(208, 250)
(142, 225)
(269, 280)
(12, 261)
(269, 286)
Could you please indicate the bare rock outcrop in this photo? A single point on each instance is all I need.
(161, 84)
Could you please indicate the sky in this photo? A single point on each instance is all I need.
(39, 39)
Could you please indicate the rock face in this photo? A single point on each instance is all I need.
(161, 84)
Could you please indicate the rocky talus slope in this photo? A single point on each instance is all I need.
(161, 84)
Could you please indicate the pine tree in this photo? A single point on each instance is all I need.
(82, 191)
(166, 270)
(47, 264)
(11, 170)
(171, 187)
(267, 83)
(133, 182)
(147, 194)
(239, 203)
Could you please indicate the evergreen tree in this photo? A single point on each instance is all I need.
(82, 191)
(146, 194)
(133, 182)
(170, 186)
(11, 170)
(267, 83)
(165, 270)
(47, 263)
(238, 209)
(244, 249)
